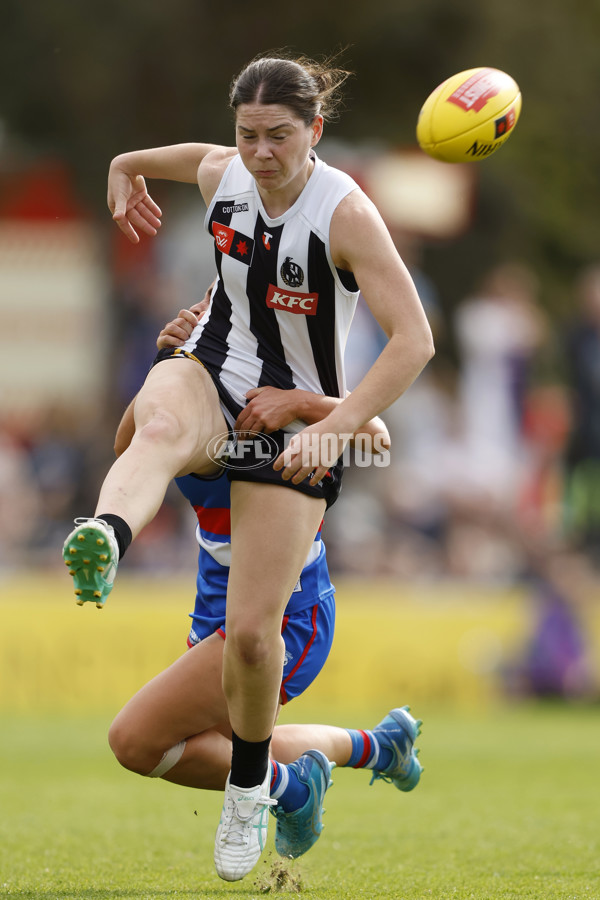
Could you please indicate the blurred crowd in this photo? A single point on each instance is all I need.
(494, 474)
(495, 447)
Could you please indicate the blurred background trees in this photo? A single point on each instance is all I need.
(86, 80)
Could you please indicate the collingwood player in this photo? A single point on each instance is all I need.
(295, 241)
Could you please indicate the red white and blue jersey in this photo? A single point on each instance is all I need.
(210, 498)
(280, 311)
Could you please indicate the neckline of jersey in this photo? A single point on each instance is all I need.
(304, 193)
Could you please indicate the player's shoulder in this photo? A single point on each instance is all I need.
(355, 221)
(356, 202)
(212, 168)
(219, 156)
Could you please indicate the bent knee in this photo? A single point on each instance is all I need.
(163, 426)
(130, 751)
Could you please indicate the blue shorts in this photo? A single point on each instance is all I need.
(308, 636)
(307, 626)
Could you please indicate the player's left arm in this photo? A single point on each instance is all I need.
(361, 243)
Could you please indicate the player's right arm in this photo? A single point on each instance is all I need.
(132, 207)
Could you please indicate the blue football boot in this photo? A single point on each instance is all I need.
(398, 733)
(297, 831)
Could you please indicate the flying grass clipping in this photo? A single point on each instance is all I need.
(469, 116)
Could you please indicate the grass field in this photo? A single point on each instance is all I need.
(508, 807)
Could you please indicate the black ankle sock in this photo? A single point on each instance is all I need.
(249, 761)
(121, 529)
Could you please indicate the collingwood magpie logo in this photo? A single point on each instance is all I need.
(291, 273)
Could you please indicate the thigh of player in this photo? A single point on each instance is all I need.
(183, 700)
(272, 530)
(180, 399)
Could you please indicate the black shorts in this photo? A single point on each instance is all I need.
(255, 463)
(252, 460)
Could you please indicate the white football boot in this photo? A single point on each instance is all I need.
(242, 831)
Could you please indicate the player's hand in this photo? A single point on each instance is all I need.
(132, 207)
(310, 454)
(177, 331)
(268, 409)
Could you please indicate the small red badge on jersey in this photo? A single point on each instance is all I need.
(292, 301)
(233, 243)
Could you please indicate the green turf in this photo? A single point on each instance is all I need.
(508, 807)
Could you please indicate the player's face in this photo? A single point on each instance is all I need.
(274, 145)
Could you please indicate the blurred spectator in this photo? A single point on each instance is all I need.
(58, 472)
(583, 453)
(18, 493)
(364, 344)
(556, 660)
(386, 521)
(48, 467)
(142, 303)
(498, 332)
(485, 460)
(546, 424)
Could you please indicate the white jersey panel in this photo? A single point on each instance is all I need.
(279, 312)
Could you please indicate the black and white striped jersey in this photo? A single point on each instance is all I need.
(280, 310)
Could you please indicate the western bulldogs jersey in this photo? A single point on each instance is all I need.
(280, 310)
(210, 498)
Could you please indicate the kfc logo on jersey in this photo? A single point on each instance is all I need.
(294, 302)
(233, 243)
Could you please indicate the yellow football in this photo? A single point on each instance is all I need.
(469, 116)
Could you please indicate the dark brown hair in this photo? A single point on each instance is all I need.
(303, 85)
